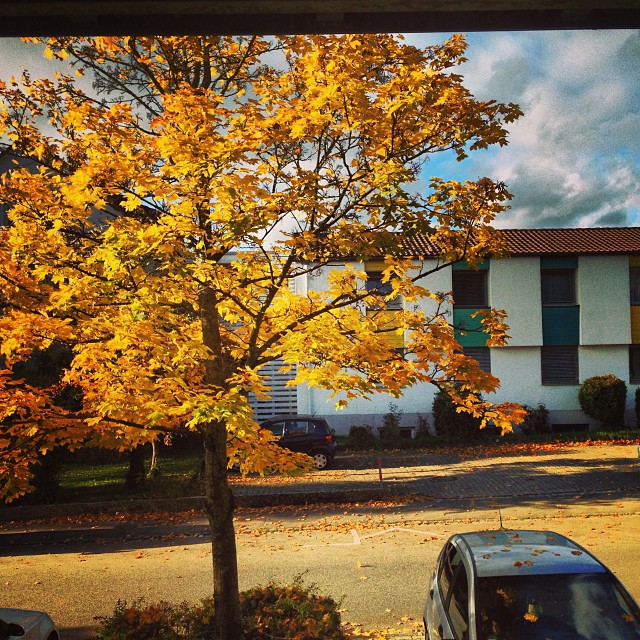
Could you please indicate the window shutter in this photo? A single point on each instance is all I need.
(469, 288)
(481, 354)
(558, 286)
(560, 365)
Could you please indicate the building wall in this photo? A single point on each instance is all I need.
(602, 295)
(514, 285)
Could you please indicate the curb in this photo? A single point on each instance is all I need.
(193, 503)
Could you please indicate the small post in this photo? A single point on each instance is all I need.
(380, 469)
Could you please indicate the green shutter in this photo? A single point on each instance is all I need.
(560, 325)
(565, 262)
(468, 330)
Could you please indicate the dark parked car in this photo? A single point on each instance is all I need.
(304, 434)
(525, 585)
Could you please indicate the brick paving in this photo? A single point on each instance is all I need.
(567, 470)
(612, 470)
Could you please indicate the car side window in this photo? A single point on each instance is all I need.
(277, 428)
(297, 427)
(454, 586)
(450, 559)
(458, 603)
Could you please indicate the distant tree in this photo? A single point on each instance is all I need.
(168, 217)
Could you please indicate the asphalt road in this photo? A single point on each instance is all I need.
(375, 560)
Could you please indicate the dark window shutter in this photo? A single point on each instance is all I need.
(634, 363)
(558, 286)
(481, 354)
(470, 288)
(560, 365)
(634, 282)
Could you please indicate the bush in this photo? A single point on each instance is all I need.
(423, 432)
(391, 422)
(295, 612)
(360, 437)
(161, 621)
(453, 425)
(604, 398)
(536, 420)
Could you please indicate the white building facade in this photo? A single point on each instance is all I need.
(572, 298)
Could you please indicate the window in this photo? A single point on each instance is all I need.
(481, 354)
(470, 288)
(383, 289)
(277, 428)
(634, 362)
(458, 603)
(634, 285)
(558, 286)
(560, 365)
(297, 427)
(570, 605)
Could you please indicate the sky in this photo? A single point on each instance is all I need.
(573, 159)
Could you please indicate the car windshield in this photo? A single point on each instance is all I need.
(583, 606)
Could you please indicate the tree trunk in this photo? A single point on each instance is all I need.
(153, 467)
(135, 475)
(219, 504)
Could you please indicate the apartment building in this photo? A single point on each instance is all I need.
(572, 298)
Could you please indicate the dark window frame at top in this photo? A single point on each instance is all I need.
(470, 288)
(383, 289)
(558, 286)
(634, 363)
(634, 285)
(560, 365)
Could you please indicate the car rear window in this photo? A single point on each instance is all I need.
(584, 606)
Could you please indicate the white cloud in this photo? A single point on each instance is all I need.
(574, 158)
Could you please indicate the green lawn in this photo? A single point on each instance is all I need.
(82, 481)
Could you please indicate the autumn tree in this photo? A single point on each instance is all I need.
(161, 220)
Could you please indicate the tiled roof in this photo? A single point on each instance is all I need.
(544, 242)
(599, 240)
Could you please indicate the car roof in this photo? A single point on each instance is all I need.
(525, 552)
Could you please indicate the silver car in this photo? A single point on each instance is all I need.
(525, 585)
(27, 625)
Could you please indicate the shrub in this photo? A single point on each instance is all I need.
(360, 437)
(391, 422)
(295, 612)
(292, 611)
(536, 420)
(146, 622)
(450, 423)
(604, 398)
(423, 432)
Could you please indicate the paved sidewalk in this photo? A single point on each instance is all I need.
(612, 470)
